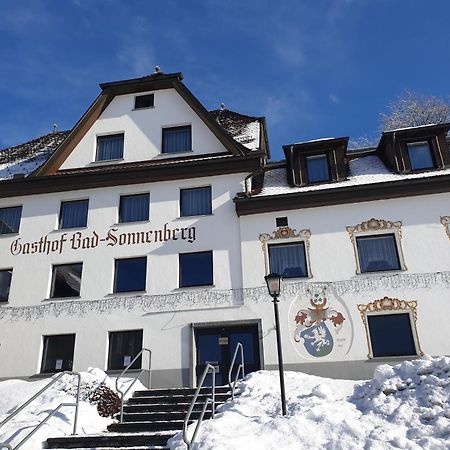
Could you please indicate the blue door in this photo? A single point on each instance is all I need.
(216, 346)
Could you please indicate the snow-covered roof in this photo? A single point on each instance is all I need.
(244, 129)
(362, 170)
(26, 158)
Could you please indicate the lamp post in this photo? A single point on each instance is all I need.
(273, 281)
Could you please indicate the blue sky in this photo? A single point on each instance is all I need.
(313, 68)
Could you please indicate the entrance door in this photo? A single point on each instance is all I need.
(216, 346)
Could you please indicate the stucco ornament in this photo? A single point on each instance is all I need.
(445, 220)
(321, 329)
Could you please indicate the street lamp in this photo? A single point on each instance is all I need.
(273, 281)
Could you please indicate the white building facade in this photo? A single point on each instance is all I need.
(153, 223)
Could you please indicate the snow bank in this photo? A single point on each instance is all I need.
(14, 393)
(405, 406)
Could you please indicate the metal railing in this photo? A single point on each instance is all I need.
(4, 445)
(240, 368)
(122, 394)
(209, 400)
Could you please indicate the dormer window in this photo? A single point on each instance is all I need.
(317, 168)
(420, 156)
(110, 147)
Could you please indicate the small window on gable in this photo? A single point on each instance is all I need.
(196, 269)
(5, 284)
(288, 260)
(73, 214)
(123, 348)
(10, 219)
(281, 221)
(195, 201)
(144, 101)
(177, 139)
(134, 208)
(420, 156)
(66, 280)
(377, 245)
(317, 168)
(58, 353)
(110, 147)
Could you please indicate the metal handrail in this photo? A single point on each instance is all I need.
(208, 400)
(240, 368)
(123, 394)
(4, 445)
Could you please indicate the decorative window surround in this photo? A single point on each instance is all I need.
(372, 227)
(285, 235)
(445, 220)
(389, 305)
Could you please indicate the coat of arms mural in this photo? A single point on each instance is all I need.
(320, 325)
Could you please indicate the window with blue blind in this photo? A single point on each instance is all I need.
(317, 168)
(195, 201)
(110, 147)
(5, 284)
(66, 280)
(391, 335)
(378, 253)
(420, 156)
(134, 208)
(177, 139)
(73, 214)
(10, 219)
(196, 269)
(288, 260)
(130, 274)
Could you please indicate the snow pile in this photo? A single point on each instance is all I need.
(406, 406)
(13, 393)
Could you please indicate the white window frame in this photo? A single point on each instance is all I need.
(377, 227)
(389, 306)
(286, 235)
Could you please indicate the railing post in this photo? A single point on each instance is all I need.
(75, 420)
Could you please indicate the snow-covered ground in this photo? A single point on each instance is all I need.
(405, 406)
(14, 393)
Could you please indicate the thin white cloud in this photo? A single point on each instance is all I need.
(333, 98)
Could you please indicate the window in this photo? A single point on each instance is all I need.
(123, 347)
(317, 168)
(5, 283)
(110, 147)
(134, 208)
(377, 253)
(73, 214)
(288, 260)
(420, 156)
(10, 219)
(281, 221)
(196, 201)
(196, 269)
(58, 353)
(391, 335)
(130, 274)
(144, 101)
(176, 139)
(66, 280)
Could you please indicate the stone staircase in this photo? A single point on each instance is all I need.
(150, 419)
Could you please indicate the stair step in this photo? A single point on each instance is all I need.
(162, 416)
(178, 391)
(174, 399)
(153, 447)
(161, 407)
(110, 440)
(146, 426)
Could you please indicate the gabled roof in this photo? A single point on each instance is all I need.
(153, 82)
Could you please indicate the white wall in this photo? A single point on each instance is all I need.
(142, 129)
